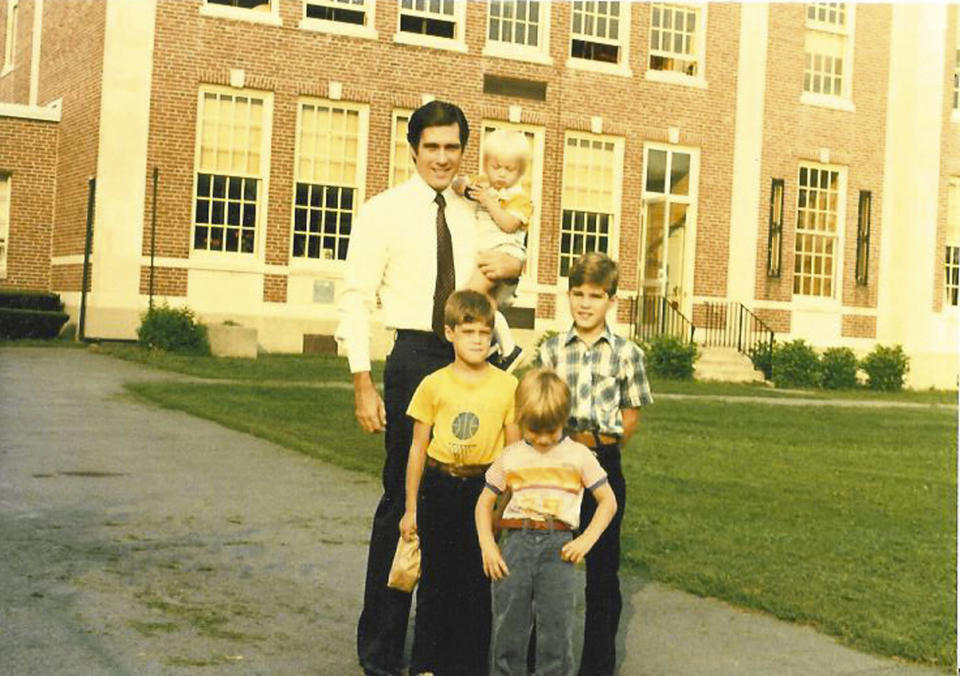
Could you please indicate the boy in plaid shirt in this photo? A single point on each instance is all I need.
(608, 385)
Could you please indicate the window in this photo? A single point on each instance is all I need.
(352, 17)
(259, 5)
(434, 23)
(676, 39)
(827, 50)
(952, 263)
(401, 161)
(863, 237)
(819, 213)
(956, 78)
(518, 29)
(598, 35)
(4, 222)
(10, 40)
(230, 170)
(258, 11)
(590, 198)
(775, 232)
(327, 177)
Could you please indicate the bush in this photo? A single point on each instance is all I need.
(30, 300)
(761, 355)
(885, 368)
(795, 364)
(172, 330)
(16, 323)
(670, 357)
(838, 367)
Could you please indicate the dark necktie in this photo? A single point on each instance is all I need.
(446, 277)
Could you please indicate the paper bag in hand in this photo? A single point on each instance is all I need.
(405, 571)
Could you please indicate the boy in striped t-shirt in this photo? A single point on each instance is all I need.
(533, 576)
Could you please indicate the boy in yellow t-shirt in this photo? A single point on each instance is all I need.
(469, 407)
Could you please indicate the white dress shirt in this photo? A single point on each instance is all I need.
(393, 253)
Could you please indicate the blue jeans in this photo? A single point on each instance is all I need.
(540, 586)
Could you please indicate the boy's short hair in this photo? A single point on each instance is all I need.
(436, 114)
(507, 143)
(467, 306)
(595, 268)
(543, 401)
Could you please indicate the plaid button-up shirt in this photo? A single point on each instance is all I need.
(603, 378)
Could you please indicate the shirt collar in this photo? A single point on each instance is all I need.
(422, 189)
(572, 335)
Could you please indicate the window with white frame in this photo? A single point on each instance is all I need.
(350, 17)
(599, 31)
(952, 259)
(258, 5)
(676, 39)
(432, 21)
(231, 149)
(10, 35)
(820, 211)
(256, 11)
(402, 166)
(4, 222)
(327, 177)
(518, 29)
(589, 200)
(827, 49)
(668, 197)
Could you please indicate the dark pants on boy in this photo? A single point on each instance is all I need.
(602, 594)
(452, 629)
(382, 629)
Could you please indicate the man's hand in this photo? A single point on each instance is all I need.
(408, 525)
(498, 264)
(368, 406)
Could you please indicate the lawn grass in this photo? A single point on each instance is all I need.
(841, 518)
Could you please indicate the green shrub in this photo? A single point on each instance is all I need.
(885, 368)
(30, 300)
(761, 354)
(670, 357)
(545, 336)
(16, 323)
(795, 364)
(172, 330)
(838, 366)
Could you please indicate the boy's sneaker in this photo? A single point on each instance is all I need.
(511, 361)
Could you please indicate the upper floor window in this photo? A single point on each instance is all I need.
(518, 29)
(676, 41)
(4, 222)
(590, 196)
(232, 145)
(599, 32)
(257, 11)
(401, 161)
(434, 23)
(820, 211)
(828, 52)
(952, 263)
(775, 229)
(351, 17)
(10, 35)
(328, 175)
(864, 215)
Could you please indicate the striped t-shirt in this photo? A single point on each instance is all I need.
(545, 484)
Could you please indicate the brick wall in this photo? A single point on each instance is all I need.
(859, 326)
(191, 50)
(275, 288)
(28, 154)
(15, 85)
(166, 281)
(795, 132)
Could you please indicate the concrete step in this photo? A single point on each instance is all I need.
(725, 364)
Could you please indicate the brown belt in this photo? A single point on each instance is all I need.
(534, 524)
(459, 471)
(592, 440)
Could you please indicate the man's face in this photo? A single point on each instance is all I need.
(438, 155)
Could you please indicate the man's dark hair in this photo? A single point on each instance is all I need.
(436, 114)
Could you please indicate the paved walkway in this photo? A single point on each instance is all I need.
(138, 540)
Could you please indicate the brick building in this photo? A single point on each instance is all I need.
(785, 157)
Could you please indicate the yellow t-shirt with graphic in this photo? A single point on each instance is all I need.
(467, 417)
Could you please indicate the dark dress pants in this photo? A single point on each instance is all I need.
(382, 629)
(602, 593)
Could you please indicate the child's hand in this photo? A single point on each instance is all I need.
(485, 197)
(408, 525)
(494, 566)
(576, 549)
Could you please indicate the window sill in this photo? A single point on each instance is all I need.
(416, 40)
(668, 77)
(831, 102)
(599, 67)
(338, 28)
(224, 261)
(501, 51)
(313, 266)
(6, 70)
(824, 304)
(238, 14)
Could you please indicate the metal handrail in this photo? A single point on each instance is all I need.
(654, 316)
(731, 324)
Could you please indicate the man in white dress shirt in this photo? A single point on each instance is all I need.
(404, 244)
